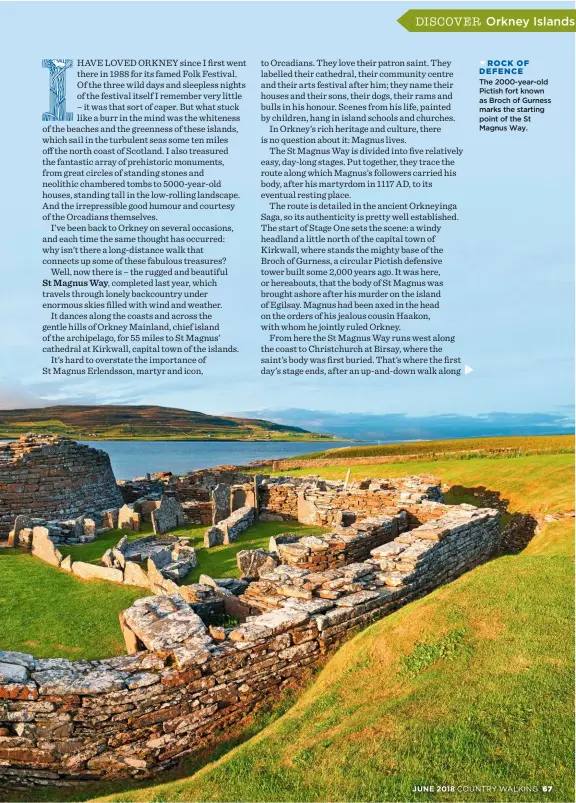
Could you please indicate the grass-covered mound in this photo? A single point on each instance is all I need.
(470, 686)
(52, 614)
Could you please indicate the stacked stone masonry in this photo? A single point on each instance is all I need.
(188, 681)
(53, 477)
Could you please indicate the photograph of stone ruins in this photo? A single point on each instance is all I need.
(285, 631)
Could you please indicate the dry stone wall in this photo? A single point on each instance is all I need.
(342, 545)
(53, 477)
(135, 715)
(203, 481)
(279, 499)
(228, 530)
(326, 507)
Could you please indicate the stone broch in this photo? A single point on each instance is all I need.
(53, 477)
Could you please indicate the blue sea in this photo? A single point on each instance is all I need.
(137, 458)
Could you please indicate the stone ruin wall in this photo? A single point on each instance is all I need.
(313, 501)
(343, 545)
(195, 491)
(279, 500)
(53, 477)
(309, 500)
(136, 715)
(198, 484)
(188, 680)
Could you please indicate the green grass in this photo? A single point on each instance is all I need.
(92, 552)
(220, 561)
(466, 447)
(487, 701)
(51, 613)
(427, 653)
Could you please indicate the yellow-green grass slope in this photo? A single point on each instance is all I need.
(536, 484)
(463, 448)
(471, 686)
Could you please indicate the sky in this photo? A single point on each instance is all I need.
(509, 262)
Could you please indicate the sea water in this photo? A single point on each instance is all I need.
(138, 458)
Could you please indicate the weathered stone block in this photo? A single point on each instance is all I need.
(20, 523)
(221, 502)
(252, 561)
(43, 548)
(128, 519)
(13, 673)
(134, 575)
(67, 563)
(168, 515)
(161, 556)
(214, 536)
(110, 518)
(90, 571)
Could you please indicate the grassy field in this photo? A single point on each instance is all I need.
(52, 614)
(471, 686)
(464, 448)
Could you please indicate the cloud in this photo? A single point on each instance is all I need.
(15, 395)
(401, 427)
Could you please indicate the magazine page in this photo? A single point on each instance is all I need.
(287, 401)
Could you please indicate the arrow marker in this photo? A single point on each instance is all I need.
(467, 369)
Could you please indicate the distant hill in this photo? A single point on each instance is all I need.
(143, 422)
